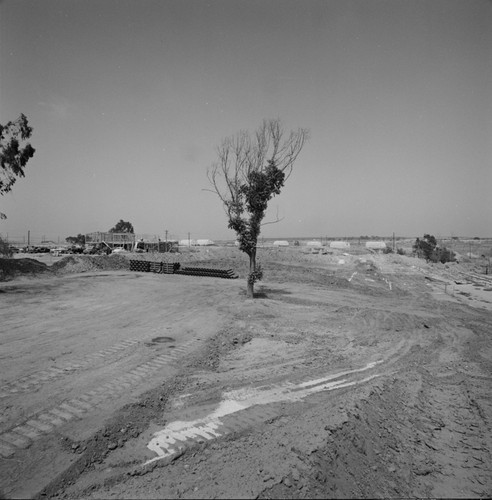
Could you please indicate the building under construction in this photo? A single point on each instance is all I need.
(129, 242)
(156, 246)
(111, 240)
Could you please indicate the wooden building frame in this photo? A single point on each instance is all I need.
(111, 240)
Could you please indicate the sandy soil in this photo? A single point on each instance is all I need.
(347, 376)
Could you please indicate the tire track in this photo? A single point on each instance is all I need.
(250, 406)
(35, 380)
(22, 434)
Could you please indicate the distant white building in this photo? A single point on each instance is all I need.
(281, 243)
(204, 243)
(187, 243)
(341, 245)
(376, 245)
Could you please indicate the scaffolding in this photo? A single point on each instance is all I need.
(156, 246)
(111, 240)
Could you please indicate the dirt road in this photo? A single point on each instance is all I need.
(77, 348)
(347, 376)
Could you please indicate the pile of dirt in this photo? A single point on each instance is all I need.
(90, 263)
(12, 268)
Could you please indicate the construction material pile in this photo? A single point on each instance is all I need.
(175, 268)
(142, 266)
(145, 266)
(204, 271)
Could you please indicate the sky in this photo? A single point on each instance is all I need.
(128, 100)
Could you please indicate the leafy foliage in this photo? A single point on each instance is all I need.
(122, 227)
(76, 240)
(5, 249)
(248, 210)
(255, 275)
(428, 249)
(15, 152)
(425, 247)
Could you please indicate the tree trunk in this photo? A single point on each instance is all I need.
(250, 292)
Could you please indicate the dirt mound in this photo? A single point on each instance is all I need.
(87, 263)
(11, 268)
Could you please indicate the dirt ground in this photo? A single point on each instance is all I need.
(362, 376)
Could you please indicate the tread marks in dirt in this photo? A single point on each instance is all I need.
(449, 429)
(412, 454)
(360, 456)
(33, 381)
(179, 434)
(23, 433)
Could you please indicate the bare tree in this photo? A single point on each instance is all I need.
(251, 169)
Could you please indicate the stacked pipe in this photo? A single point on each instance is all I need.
(155, 267)
(142, 266)
(205, 271)
(170, 267)
(175, 268)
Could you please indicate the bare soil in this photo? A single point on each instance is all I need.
(347, 376)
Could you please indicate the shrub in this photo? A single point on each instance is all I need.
(444, 255)
(5, 249)
(427, 248)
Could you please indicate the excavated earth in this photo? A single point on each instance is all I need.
(347, 376)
